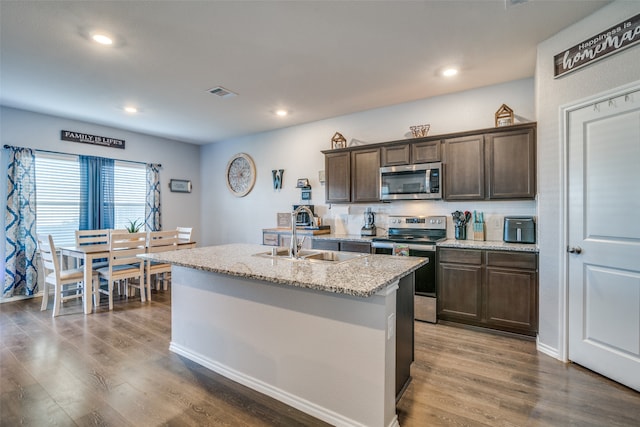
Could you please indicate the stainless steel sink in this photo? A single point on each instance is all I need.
(311, 255)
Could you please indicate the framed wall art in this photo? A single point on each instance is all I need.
(180, 186)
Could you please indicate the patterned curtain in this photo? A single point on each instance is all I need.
(152, 207)
(21, 273)
(97, 206)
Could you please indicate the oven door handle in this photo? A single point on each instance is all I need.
(390, 245)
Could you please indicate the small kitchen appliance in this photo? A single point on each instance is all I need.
(418, 234)
(519, 229)
(303, 219)
(411, 182)
(369, 228)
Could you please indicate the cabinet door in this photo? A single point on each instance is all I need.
(425, 152)
(362, 247)
(464, 168)
(325, 245)
(285, 240)
(271, 239)
(365, 175)
(512, 300)
(337, 168)
(459, 292)
(395, 155)
(511, 164)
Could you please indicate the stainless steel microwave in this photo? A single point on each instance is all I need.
(411, 182)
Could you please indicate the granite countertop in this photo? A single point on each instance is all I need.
(488, 245)
(360, 277)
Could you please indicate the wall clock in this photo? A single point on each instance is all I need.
(241, 174)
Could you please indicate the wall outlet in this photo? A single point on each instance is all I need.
(391, 326)
(496, 222)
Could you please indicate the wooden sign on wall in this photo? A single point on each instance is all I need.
(608, 42)
(67, 135)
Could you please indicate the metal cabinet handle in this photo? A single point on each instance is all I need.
(574, 250)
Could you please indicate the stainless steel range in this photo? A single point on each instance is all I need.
(418, 234)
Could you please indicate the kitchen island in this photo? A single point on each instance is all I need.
(317, 335)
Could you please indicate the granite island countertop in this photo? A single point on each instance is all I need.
(360, 277)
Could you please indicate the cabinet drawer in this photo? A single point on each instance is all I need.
(461, 256)
(271, 239)
(523, 260)
(325, 245)
(355, 247)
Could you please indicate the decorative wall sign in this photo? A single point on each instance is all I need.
(277, 178)
(67, 135)
(180, 186)
(504, 116)
(608, 42)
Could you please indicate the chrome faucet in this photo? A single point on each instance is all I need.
(294, 247)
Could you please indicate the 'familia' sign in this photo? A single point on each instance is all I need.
(67, 135)
(608, 42)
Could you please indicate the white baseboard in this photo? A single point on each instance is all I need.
(297, 402)
(549, 351)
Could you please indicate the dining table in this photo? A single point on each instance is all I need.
(87, 253)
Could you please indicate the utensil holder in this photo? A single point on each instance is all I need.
(461, 232)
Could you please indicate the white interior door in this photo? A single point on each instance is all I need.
(604, 237)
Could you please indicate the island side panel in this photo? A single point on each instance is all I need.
(327, 354)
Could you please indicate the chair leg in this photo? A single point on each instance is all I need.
(57, 300)
(145, 285)
(110, 288)
(45, 296)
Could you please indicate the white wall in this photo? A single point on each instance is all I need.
(297, 150)
(179, 160)
(617, 70)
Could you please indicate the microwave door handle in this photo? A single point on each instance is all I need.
(427, 184)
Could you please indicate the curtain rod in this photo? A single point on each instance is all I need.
(69, 154)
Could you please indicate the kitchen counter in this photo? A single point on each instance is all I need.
(361, 277)
(318, 336)
(488, 245)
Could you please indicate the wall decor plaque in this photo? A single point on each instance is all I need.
(67, 135)
(608, 42)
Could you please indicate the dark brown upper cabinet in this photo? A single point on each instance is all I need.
(491, 165)
(337, 168)
(352, 175)
(405, 154)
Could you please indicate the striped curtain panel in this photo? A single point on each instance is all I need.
(152, 206)
(21, 273)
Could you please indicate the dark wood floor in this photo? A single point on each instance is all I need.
(114, 369)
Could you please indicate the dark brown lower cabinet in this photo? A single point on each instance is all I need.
(493, 289)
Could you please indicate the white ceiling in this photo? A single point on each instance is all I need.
(318, 59)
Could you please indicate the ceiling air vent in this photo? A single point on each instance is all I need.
(221, 92)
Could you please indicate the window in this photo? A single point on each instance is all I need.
(130, 192)
(58, 195)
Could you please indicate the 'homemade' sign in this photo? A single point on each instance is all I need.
(67, 135)
(608, 42)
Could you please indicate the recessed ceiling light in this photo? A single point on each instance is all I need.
(131, 110)
(102, 39)
(449, 72)
(281, 113)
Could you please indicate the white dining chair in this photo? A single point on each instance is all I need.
(67, 284)
(94, 237)
(124, 265)
(160, 241)
(184, 234)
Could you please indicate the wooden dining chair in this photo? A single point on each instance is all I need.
(67, 284)
(160, 241)
(124, 265)
(94, 237)
(184, 233)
